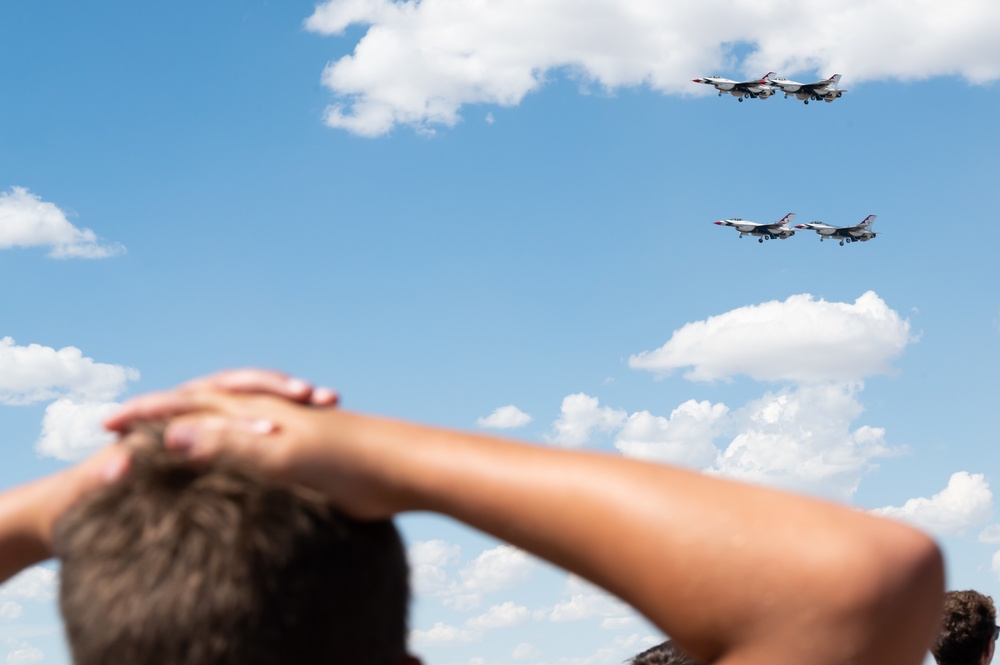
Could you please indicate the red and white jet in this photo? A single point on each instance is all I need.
(826, 90)
(741, 89)
(862, 231)
(765, 231)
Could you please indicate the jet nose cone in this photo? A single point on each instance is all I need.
(717, 223)
(799, 226)
(696, 80)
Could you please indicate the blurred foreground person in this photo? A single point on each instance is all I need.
(968, 632)
(735, 573)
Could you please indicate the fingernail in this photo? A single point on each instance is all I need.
(324, 396)
(297, 386)
(181, 438)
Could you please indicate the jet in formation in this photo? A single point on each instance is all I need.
(825, 90)
(859, 232)
(763, 231)
(741, 89)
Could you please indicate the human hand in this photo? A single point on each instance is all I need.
(317, 448)
(156, 406)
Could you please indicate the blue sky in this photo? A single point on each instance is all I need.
(510, 204)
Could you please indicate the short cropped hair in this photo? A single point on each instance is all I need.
(178, 565)
(968, 624)
(664, 653)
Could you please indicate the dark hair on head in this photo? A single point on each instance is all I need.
(968, 624)
(180, 565)
(664, 653)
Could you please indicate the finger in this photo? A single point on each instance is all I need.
(250, 380)
(157, 406)
(324, 397)
(208, 437)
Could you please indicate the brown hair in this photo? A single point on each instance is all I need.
(968, 624)
(664, 653)
(185, 566)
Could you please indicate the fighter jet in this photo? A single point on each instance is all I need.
(862, 231)
(741, 89)
(767, 231)
(826, 91)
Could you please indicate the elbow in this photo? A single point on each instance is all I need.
(899, 595)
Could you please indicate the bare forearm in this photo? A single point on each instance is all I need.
(21, 543)
(715, 564)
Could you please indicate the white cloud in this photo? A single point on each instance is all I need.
(22, 653)
(439, 634)
(36, 373)
(9, 610)
(499, 616)
(27, 221)
(72, 430)
(36, 584)
(685, 438)
(583, 600)
(525, 651)
(990, 534)
(496, 569)
(802, 439)
(800, 340)
(617, 623)
(967, 501)
(505, 417)
(420, 62)
(83, 391)
(586, 606)
(996, 563)
(428, 561)
(580, 416)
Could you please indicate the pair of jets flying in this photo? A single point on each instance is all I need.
(780, 229)
(768, 85)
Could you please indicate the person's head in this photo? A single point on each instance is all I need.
(664, 653)
(968, 630)
(210, 566)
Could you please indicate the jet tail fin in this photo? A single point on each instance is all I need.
(868, 221)
(787, 219)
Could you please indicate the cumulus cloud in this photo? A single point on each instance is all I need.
(440, 633)
(583, 600)
(27, 221)
(83, 391)
(800, 340)
(991, 534)
(686, 438)
(37, 583)
(580, 415)
(419, 62)
(505, 417)
(428, 565)
(499, 616)
(495, 569)
(801, 439)
(967, 501)
(22, 653)
(9, 610)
